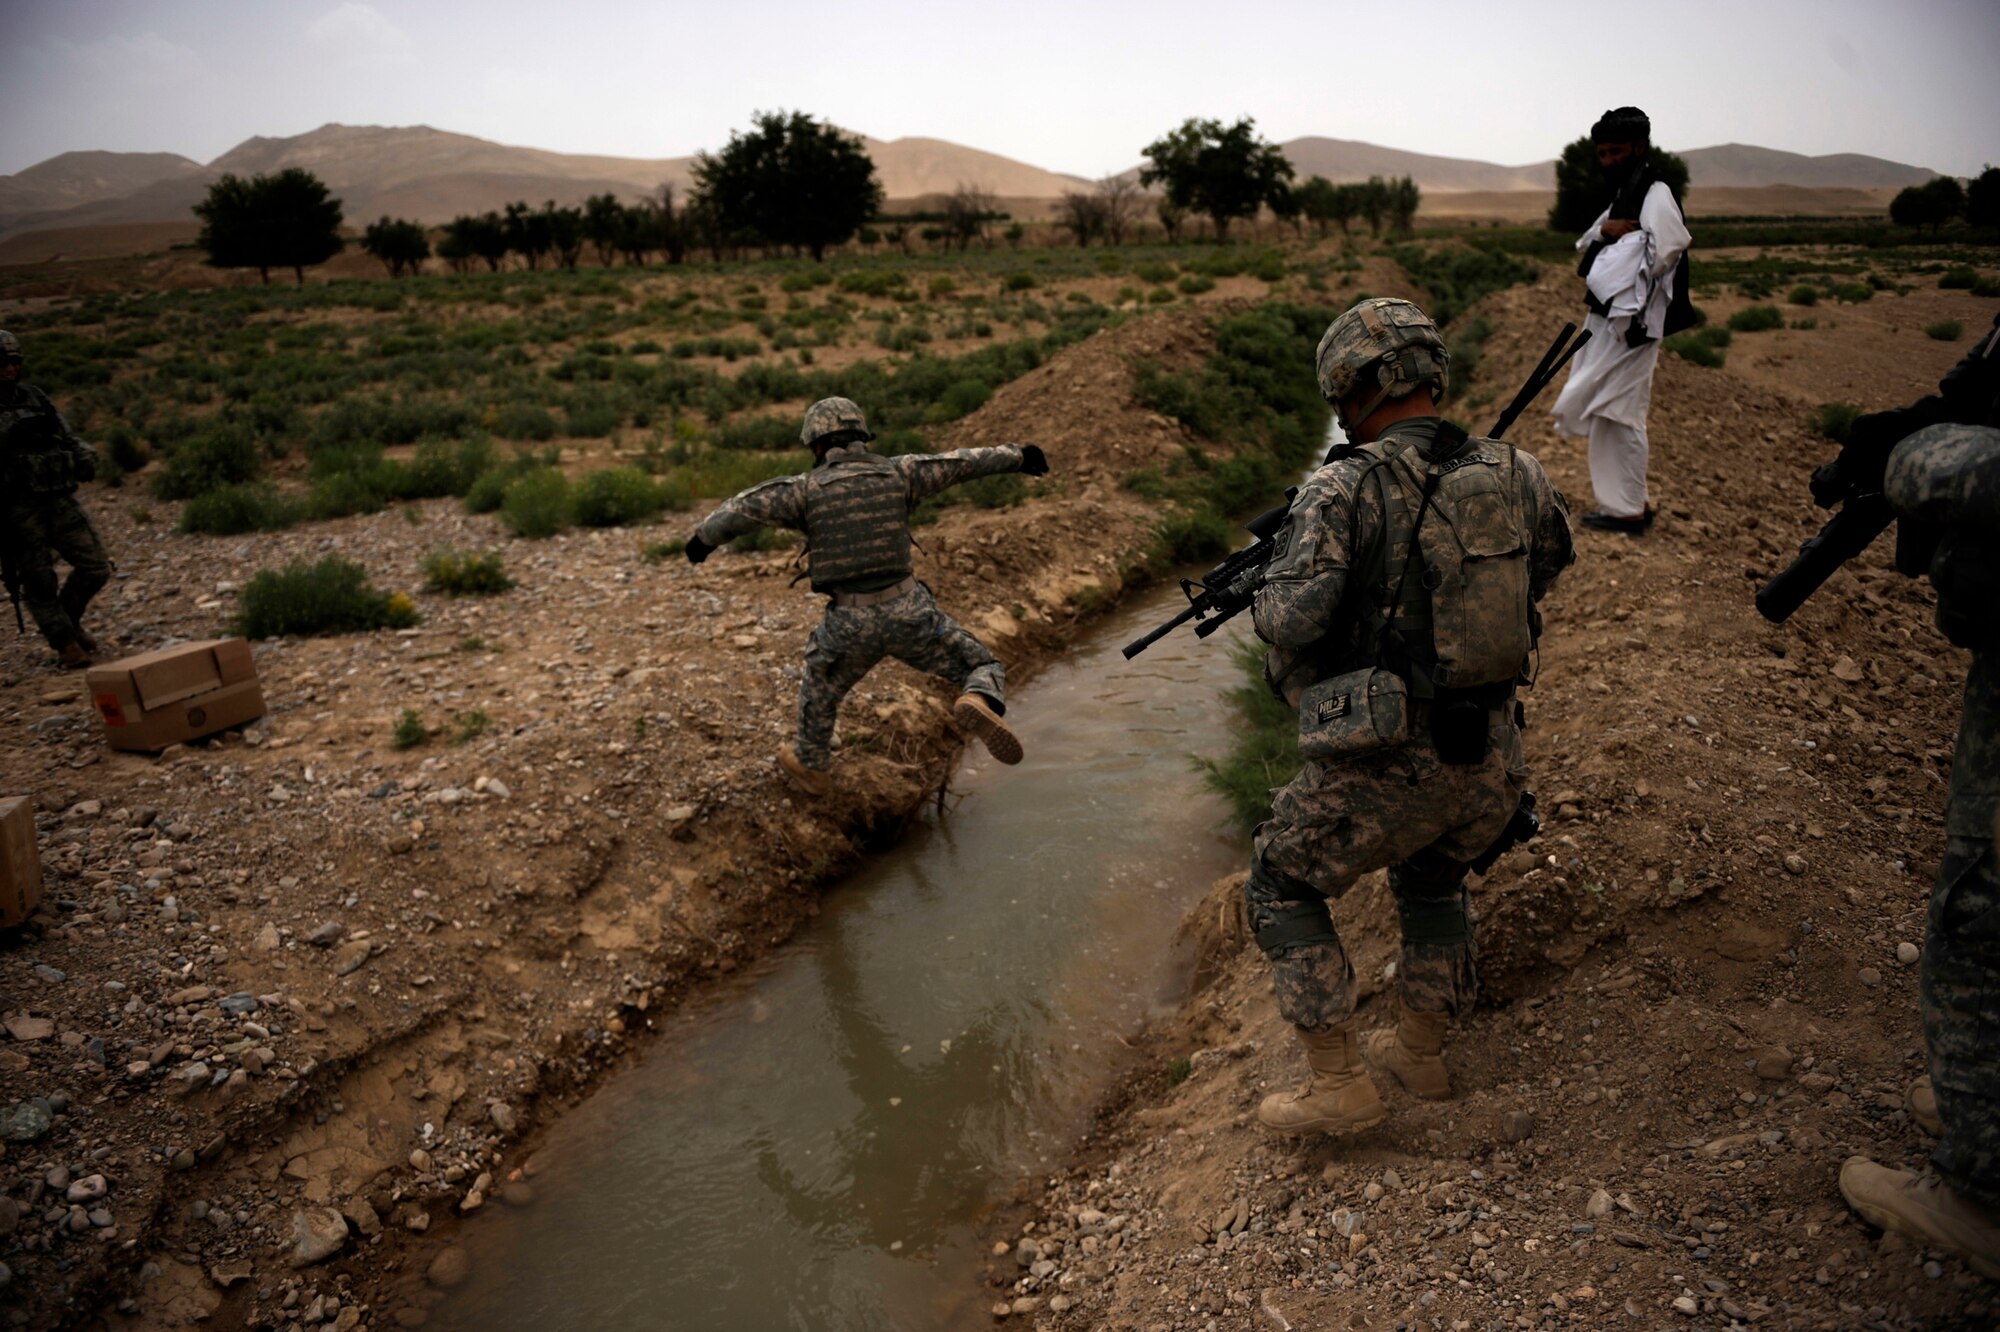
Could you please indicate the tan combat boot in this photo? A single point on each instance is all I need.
(73, 657)
(1921, 1102)
(1339, 1098)
(812, 781)
(1413, 1050)
(976, 717)
(1922, 1208)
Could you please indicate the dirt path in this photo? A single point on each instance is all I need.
(296, 988)
(1700, 999)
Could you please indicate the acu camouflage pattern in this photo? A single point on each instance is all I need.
(799, 502)
(852, 639)
(1327, 588)
(40, 465)
(830, 415)
(1948, 477)
(1374, 331)
(1401, 807)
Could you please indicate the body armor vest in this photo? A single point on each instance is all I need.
(35, 458)
(1447, 593)
(857, 522)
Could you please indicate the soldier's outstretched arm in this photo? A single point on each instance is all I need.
(777, 503)
(926, 474)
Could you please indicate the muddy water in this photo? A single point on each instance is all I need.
(811, 1147)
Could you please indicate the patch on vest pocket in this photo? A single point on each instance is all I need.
(1332, 709)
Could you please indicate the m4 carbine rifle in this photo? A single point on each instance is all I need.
(1852, 483)
(1227, 590)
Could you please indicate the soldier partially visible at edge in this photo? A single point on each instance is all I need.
(1635, 289)
(1943, 481)
(854, 507)
(41, 463)
(1399, 605)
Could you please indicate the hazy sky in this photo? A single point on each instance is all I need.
(1070, 85)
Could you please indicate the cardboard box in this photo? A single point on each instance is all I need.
(20, 861)
(179, 693)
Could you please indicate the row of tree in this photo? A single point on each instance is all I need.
(1941, 199)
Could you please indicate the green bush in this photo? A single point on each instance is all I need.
(464, 574)
(409, 731)
(1803, 295)
(122, 448)
(536, 504)
(233, 510)
(1157, 274)
(615, 496)
(1266, 750)
(469, 725)
(1756, 319)
(942, 286)
(1184, 538)
(871, 282)
(996, 492)
(1945, 330)
(333, 596)
(224, 455)
(1961, 278)
(1703, 346)
(658, 552)
(487, 491)
(524, 421)
(1988, 285)
(961, 399)
(1457, 276)
(1835, 420)
(1160, 296)
(1194, 284)
(1853, 293)
(758, 432)
(1020, 282)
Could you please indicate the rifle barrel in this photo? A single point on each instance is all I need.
(1845, 535)
(1138, 645)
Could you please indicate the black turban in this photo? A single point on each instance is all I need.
(1624, 124)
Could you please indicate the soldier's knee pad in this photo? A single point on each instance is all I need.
(1285, 913)
(1434, 920)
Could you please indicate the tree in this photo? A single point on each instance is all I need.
(1932, 204)
(1582, 192)
(398, 244)
(484, 236)
(564, 228)
(1316, 201)
(967, 209)
(1172, 218)
(455, 250)
(283, 221)
(1982, 199)
(1082, 215)
(791, 181)
(1226, 172)
(1286, 208)
(527, 232)
(603, 225)
(1404, 196)
(1372, 201)
(1120, 200)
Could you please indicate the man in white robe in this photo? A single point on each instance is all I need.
(1630, 278)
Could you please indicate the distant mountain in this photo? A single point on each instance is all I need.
(1341, 160)
(1744, 166)
(70, 179)
(433, 175)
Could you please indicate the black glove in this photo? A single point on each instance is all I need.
(698, 550)
(1033, 461)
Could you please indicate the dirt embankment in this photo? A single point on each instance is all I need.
(1700, 982)
(298, 989)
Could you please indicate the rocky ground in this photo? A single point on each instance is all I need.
(298, 996)
(1701, 979)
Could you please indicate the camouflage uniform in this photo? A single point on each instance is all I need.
(1945, 480)
(41, 462)
(1400, 807)
(870, 562)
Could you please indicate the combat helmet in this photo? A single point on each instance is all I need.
(1385, 344)
(831, 422)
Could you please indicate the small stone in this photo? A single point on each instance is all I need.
(1686, 1304)
(52, 975)
(361, 1215)
(24, 1028)
(450, 1268)
(1774, 1064)
(1373, 1193)
(318, 1233)
(241, 1004)
(350, 957)
(1907, 953)
(10, 1216)
(1517, 1126)
(1391, 1180)
(519, 1193)
(1600, 1204)
(1795, 864)
(267, 940)
(327, 935)
(1846, 668)
(1869, 976)
(229, 1274)
(87, 1189)
(25, 1121)
(502, 1115)
(497, 788)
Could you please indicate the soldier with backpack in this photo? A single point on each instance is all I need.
(1400, 609)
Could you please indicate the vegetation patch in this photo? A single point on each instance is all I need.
(1265, 754)
(466, 573)
(332, 596)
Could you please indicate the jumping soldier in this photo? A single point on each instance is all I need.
(1943, 481)
(854, 507)
(1399, 606)
(41, 463)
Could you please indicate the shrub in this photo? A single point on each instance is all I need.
(233, 510)
(409, 730)
(333, 596)
(658, 552)
(1803, 295)
(1756, 319)
(763, 539)
(961, 399)
(941, 286)
(1266, 751)
(225, 455)
(1194, 284)
(462, 573)
(469, 726)
(1853, 293)
(996, 492)
(536, 504)
(1835, 420)
(1945, 330)
(614, 496)
(1988, 285)
(1160, 296)
(1703, 346)
(1960, 278)
(1156, 274)
(1019, 282)
(486, 492)
(123, 449)
(871, 282)
(1186, 538)
(522, 421)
